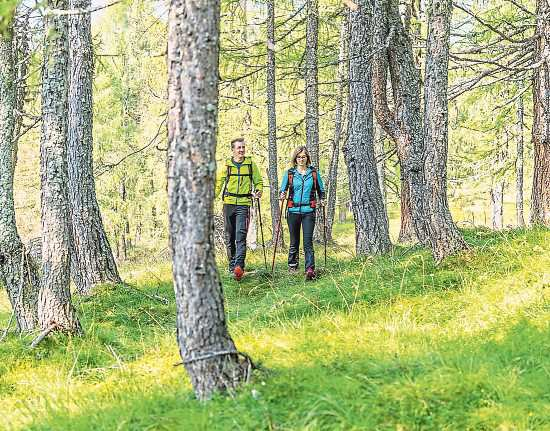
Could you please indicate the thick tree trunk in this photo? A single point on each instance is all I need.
(540, 195)
(379, 154)
(208, 352)
(407, 233)
(371, 224)
(272, 123)
(54, 307)
(444, 237)
(332, 180)
(404, 124)
(17, 271)
(93, 259)
(519, 163)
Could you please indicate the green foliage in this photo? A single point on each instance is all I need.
(7, 12)
(387, 343)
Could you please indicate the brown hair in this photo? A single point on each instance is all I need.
(234, 141)
(301, 149)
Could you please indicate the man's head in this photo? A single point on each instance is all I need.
(237, 146)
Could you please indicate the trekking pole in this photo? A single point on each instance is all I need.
(262, 231)
(278, 230)
(325, 232)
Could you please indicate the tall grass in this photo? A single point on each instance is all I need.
(386, 343)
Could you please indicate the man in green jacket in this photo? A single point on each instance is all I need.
(241, 181)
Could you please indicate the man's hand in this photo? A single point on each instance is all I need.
(258, 194)
(322, 203)
(282, 196)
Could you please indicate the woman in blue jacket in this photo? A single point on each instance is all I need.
(304, 185)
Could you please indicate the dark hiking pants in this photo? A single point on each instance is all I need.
(305, 221)
(236, 226)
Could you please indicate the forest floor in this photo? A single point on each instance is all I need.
(388, 343)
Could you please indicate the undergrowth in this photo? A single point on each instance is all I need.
(385, 343)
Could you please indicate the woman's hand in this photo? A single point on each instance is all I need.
(282, 196)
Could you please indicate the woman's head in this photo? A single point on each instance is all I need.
(300, 157)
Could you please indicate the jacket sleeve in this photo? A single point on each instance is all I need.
(257, 177)
(220, 180)
(284, 182)
(322, 191)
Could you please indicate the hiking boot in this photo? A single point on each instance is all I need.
(238, 273)
(292, 270)
(310, 273)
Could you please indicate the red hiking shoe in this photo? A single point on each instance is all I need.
(238, 273)
(310, 273)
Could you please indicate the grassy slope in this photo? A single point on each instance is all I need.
(385, 343)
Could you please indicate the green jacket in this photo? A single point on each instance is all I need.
(237, 187)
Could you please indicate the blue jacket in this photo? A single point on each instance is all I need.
(303, 187)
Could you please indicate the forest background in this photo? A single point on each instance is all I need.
(130, 114)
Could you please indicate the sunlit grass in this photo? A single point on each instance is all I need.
(382, 343)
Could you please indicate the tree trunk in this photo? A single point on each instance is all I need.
(444, 237)
(497, 187)
(93, 259)
(311, 81)
(252, 234)
(407, 233)
(379, 154)
(540, 195)
(497, 193)
(519, 164)
(312, 98)
(371, 223)
(21, 53)
(332, 180)
(17, 271)
(54, 307)
(208, 352)
(404, 124)
(272, 123)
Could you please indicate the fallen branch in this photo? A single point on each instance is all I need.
(43, 335)
(64, 12)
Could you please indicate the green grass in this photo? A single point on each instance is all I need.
(388, 343)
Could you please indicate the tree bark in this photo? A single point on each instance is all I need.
(379, 154)
(540, 195)
(54, 307)
(393, 51)
(497, 189)
(444, 237)
(407, 233)
(332, 180)
(311, 81)
(17, 271)
(497, 194)
(272, 123)
(93, 261)
(21, 53)
(520, 220)
(208, 352)
(371, 224)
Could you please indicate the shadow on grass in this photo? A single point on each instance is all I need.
(480, 382)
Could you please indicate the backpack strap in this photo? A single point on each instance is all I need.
(315, 188)
(238, 174)
(227, 175)
(290, 188)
